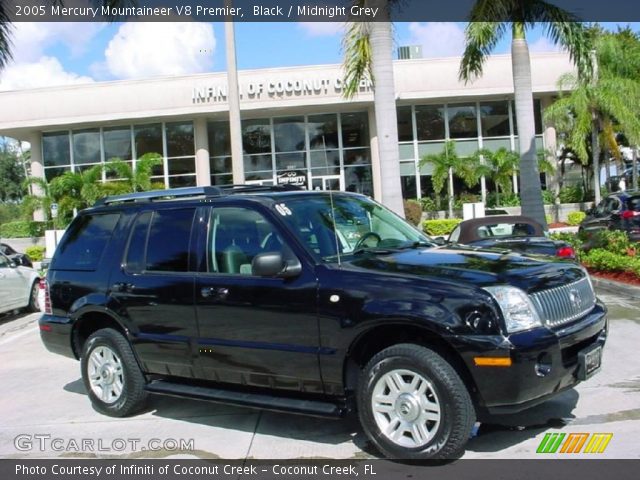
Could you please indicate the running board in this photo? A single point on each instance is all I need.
(314, 408)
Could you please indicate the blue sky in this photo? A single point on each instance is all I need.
(58, 53)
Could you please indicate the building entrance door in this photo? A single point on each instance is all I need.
(327, 182)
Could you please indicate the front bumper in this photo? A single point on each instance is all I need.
(544, 362)
(55, 333)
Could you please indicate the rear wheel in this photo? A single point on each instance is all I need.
(413, 405)
(34, 304)
(111, 374)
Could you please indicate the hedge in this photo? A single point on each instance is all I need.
(35, 252)
(437, 228)
(575, 218)
(22, 229)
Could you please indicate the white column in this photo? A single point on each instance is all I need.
(37, 170)
(375, 156)
(203, 171)
(233, 92)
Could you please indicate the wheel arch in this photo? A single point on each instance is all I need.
(381, 336)
(90, 321)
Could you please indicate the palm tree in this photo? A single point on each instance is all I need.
(446, 164)
(481, 39)
(368, 51)
(42, 201)
(74, 191)
(134, 179)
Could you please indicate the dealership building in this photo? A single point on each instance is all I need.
(296, 124)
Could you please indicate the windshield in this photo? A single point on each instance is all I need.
(360, 225)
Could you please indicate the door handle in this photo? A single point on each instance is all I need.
(219, 293)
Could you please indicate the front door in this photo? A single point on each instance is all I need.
(327, 182)
(154, 290)
(254, 331)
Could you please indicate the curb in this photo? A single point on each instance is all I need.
(616, 287)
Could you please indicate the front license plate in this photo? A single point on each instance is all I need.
(590, 361)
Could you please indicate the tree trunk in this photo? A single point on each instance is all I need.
(381, 39)
(530, 188)
(451, 192)
(634, 168)
(595, 151)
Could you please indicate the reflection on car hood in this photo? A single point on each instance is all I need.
(475, 266)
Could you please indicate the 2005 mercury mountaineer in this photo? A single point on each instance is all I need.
(313, 303)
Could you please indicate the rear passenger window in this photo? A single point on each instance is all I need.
(137, 243)
(169, 236)
(85, 241)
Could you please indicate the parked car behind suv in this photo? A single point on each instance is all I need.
(617, 211)
(19, 286)
(316, 303)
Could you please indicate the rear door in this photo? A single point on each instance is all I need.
(254, 330)
(154, 290)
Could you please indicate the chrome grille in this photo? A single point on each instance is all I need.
(564, 304)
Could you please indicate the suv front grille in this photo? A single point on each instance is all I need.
(560, 305)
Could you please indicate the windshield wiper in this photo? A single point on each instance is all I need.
(376, 250)
(416, 244)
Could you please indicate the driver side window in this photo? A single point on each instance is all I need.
(4, 261)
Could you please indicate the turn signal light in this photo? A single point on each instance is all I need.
(492, 361)
(568, 252)
(47, 297)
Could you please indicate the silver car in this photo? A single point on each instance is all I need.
(19, 286)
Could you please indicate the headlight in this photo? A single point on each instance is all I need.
(518, 311)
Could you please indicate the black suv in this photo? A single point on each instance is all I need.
(315, 303)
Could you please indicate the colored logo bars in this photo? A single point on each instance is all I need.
(592, 443)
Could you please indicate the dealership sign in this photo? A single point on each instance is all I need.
(297, 178)
(275, 88)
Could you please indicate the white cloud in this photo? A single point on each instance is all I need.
(30, 40)
(45, 72)
(543, 44)
(321, 29)
(144, 49)
(438, 39)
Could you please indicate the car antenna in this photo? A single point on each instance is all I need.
(333, 210)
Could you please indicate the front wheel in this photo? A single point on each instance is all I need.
(413, 405)
(111, 374)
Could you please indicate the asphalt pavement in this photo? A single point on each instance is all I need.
(46, 412)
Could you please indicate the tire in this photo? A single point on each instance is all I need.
(111, 374)
(436, 406)
(34, 304)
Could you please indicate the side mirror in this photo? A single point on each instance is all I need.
(13, 264)
(440, 241)
(272, 264)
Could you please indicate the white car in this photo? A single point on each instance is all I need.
(19, 286)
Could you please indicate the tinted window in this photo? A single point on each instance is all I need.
(633, 203)
(505, 230)
(168, 246)
(137, 243)
(85, 242)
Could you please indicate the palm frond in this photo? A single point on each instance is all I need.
(357, 63)
(481, 39)
(573, 36)
(5, 36)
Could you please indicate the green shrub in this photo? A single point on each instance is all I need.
(465, 197)
(548, 197)
(22, 229)
(505, 200)
(575, 218)
(35, 252)
(571, 238)
(614, 241)
(437, 228)
(548, 218)
(605, 260)
(571, 194)
(428, 204)
(413, 211)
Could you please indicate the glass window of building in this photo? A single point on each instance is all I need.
(462, 121)
(86, 146)
(291, 161)
(325, 159)
(289, 134)
(148, 139)
(323, 126)
(219, 139)
(117, 143)
(494, 117)
(355, 129)
(256, 136)
(180, 141)
(55, 149)
(405, 124)
(430, 122)
(256, 163)
(359, 179)
(358, 156)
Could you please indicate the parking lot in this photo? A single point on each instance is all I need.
(44, 404)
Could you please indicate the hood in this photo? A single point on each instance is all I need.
(474, 266)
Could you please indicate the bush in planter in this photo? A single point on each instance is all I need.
(428, 204)
(413, 211)
(548, 197)
(22, 229)
(35, 252)
(575, 218)
(604, 260)
(437, 228)
(614, 241)
(571, 238)
(571, 194)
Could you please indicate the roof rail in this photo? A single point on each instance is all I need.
(160, 194)
(243, 188)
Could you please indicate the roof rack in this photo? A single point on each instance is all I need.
(209, 191)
